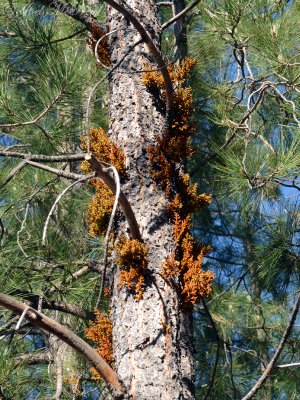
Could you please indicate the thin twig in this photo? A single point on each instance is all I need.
(21, 229)
(58, 40)
(181, 14)
(21, 318)
(89, 20)
(212, 381)
(58, 172)
(297, 364)
(57, 201)
(109, 228)
(277, 353)
(42, 157)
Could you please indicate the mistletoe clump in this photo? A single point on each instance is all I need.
(184, 266)
(100, 332)
(101, 205)
(132, 260)
(103, 52)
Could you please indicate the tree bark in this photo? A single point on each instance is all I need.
(154, 362)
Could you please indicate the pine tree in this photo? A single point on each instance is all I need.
(185, 114)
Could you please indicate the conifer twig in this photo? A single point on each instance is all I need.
(21, 318)
(35, 120)
(181, 14)
(277, 353)
(21, 229)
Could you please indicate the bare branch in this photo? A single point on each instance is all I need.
(181, 14)
(67, 336)
(34, 121)
(164, 3)
(58, 172)
(278, 351)
(71, 36)
(41, 157)
(153, 50)
(21, 230)
(59, 376)
(297, 364)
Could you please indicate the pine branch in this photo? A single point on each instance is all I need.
(67, 336)
(276, 356)
(58, 172)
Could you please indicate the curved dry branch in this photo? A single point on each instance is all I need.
(85, 178)
(181, 14)
(278, 351)
(67, 336)
(153, 50)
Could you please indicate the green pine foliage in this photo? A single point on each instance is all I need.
(246, 95)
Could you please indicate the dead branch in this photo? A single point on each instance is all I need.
(67, 336)
(57, 200)
(41, 157)
(58, 172)
(33, 358)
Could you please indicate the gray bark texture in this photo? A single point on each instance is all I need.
(152, 362)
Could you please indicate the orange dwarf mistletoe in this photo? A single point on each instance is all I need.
(103, 52)
(104, 149)
(132, 260)
(100, 332)
(184, 266)
(101, 205)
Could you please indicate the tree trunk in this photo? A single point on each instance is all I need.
(152, 338)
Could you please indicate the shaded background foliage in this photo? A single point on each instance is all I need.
(246, 98)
